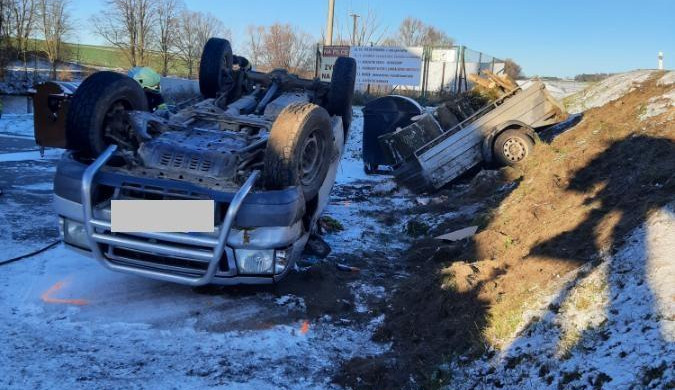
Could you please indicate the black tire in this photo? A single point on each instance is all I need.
(215, 68)
(95, 105)
(341, 91)
(512, 147)
(299, 148)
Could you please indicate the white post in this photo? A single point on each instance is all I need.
(329, 23)
(660, 60)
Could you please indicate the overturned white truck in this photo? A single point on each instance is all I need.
(427, 150)
(263, 146)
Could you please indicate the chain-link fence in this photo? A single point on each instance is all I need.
(439, 70)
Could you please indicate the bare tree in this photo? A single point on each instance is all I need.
(255, 43)
(512, 69)
(282, 46)
(127, 25)
(414, 32)
(195, 28)
(22, 13)
(209, 26)
(168, 12)
(55, 24)
(410, 32)
(369, 30)
(4, 35)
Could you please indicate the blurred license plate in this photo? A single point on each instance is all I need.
(164, 216)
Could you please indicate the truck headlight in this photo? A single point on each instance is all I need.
(75, 234)
(255, 261)
(280, 261)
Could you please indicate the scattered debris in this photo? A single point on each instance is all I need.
(346, 268)
(330, 225)
(317, 247)
(458, 235)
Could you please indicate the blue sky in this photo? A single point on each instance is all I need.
(558, 38)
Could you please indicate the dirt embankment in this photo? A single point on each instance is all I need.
(572, 203)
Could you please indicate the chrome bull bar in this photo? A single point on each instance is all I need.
(213, 257)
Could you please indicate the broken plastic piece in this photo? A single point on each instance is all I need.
(459, 234)
(346, 268)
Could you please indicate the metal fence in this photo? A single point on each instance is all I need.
(443, 70)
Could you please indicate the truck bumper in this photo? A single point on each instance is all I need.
(188, 258)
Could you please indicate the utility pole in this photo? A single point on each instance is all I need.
(329, 23)
(354, 24)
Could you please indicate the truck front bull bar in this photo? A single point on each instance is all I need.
(94, 238)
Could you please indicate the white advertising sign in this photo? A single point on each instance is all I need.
(387, 65)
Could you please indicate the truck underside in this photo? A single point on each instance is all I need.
(263, 146)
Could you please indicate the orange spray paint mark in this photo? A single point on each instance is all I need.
(305, 327)
(47, 296)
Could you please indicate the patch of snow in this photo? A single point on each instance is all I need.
(292, 302)
(45, 186)
(49, 154)
(559, 89)
(667, 79)
(607, 90)
(21, 125)
(659, 105)
(614, 328)
(363, 292)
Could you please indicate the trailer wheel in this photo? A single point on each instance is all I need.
(299, 149)
(512, 147)
(341, 91)
(215, 68)
(96, 116)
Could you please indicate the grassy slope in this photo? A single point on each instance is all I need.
(573, 200)
(109, 57)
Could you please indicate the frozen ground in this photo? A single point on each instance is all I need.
(559, 89)
(606, 90)
(614, 329)
(65, 322)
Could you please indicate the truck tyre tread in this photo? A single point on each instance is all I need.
(341, 91)
(287, 137)
(216, 59)
(89, 105)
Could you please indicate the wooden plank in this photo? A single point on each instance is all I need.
(506, 85)
(476, 79)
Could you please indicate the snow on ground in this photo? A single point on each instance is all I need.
(660, 104)
(559, 89)
(66, 322)
(605, 91)
(667, 79)
(128, 332)
(610, 327)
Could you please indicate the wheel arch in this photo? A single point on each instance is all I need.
(489, 141)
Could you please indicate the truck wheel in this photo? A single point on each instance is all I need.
(96, 116)
(512, 147)
(215, 69)
(341, 91)
(299, 149)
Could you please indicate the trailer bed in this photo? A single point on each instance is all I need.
(462, 147)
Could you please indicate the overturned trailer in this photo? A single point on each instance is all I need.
(263, 146)
(436, 148)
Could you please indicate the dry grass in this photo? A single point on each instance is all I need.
(561, 215)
